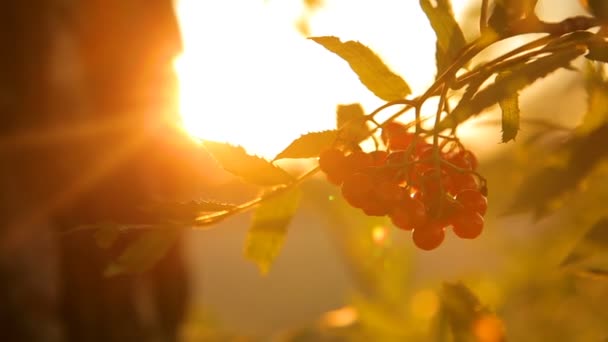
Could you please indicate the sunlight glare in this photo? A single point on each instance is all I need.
(248, 77)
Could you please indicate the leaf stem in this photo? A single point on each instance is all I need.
(203, 221)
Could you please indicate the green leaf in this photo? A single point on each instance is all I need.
(503, 88)
(143, 253)
(589, 257)
(309, 145)
(450, 39)
(352, 123)
(510, 115)
(372, 71)
(106, 234)
(252, 169)
(269, 227)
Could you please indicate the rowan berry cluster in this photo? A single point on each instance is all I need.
(423, 188)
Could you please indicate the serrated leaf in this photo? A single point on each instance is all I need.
(269, 227)
(352, 123)
(309, 145)
(184, 212)
(106, 234)
(466, 316)
(589, 257)
(143, 253)
(450, 39)
(207, 206)
(252, 169)
(372, 71)
(518, 79)
(510, 115)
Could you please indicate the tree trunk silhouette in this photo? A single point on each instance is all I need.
(92, 151)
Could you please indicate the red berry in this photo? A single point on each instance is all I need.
(449, 208)
(418, 171)
(334, 179)
(392, 128)
(356, 189)
(422, 146)
(372, 207)
(401, 218)
(333, 162)
(397, 164)
(470, 157)
(463, 181)
(429, 237)
(402, 142)
(409, 213)
(467, 224)
(425, 152)
(474, 200)
(388, 191)
(378, 157)
(463, 159)
(358, 160)
(398, 158)
(396, 136)
(431, 180)
(331, 159)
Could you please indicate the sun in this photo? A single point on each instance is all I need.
(249, 78)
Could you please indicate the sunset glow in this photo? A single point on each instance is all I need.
(247, 76)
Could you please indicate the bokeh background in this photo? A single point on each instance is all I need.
(102, 105)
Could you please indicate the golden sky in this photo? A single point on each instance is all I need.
(247, 76)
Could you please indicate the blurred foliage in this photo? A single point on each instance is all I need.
(144, 252)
